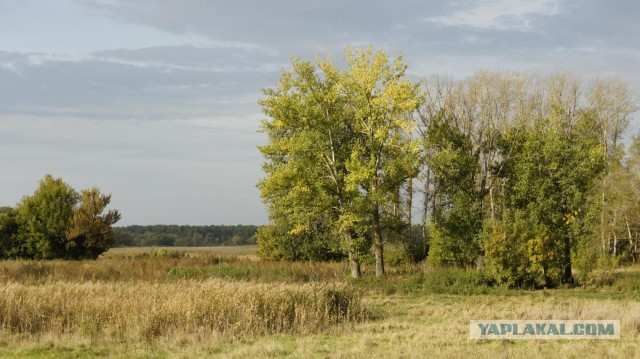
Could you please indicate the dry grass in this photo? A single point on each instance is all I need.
(242, 251)
(437, 326)
(202, 303)
(146, 311)
(169, 267)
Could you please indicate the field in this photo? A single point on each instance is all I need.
(225, 302)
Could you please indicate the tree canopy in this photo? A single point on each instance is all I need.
(523, 176)
(339, 150)
(57, 222)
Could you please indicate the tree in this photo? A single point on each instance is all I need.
(309, 143)
(457, 220)
(339, 150)
(50, 223)
(44, 217)
(553, 167)
(473, 131)
(90, 233)
(9, 241)
(383, 157)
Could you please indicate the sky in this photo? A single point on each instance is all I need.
(155, 101)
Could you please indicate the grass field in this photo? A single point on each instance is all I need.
(224, 302)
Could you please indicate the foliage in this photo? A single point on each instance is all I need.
(526, 175)
(456, 225)
(90, 232)
(338, 152)
(184, 235)
(551, 172)
(445, 280)
(9, 234)
(44, 218)
(277, 243)
(50, 224)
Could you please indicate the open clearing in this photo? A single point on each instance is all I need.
(165, 302)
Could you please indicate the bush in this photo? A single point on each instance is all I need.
(446, 280)
(276, 242)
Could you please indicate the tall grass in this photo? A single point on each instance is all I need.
(169, 266)
(146, 311)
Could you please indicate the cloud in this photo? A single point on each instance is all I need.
(188, 57)
(499, 14)
(173, 82)
(290, 27)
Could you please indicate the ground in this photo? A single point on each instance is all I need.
(409, 314)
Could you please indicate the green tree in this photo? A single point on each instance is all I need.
(548, 178)
(338, 150)
(308, 145)
(383, 156)
(10, 245)
(44, 217)
(89, 233)
(457, 221)
(56, 222)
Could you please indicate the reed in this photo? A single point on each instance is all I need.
(147, 311)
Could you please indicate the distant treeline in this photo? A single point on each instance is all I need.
(184, 236)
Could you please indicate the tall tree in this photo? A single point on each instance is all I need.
(309, 144)
(548, 178)
(338, 149)
(384, 157)
(462, 124)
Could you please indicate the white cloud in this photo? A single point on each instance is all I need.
(499, 14)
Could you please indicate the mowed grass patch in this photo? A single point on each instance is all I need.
(212, 309)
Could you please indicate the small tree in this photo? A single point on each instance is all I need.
(56, 222)
(44, 217)
(90, 233)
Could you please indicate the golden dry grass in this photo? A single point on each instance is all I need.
(243, 251)
(209, 304)
(145, 311)
(437, 326)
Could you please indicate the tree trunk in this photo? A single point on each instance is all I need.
(493, 207)
(354, 262)
(354, 266)
(377, 241)
(633, 252)
(426, 221)
(410, 205)
(567, 277)
(605, 248)
(615, 236)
